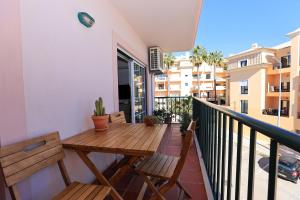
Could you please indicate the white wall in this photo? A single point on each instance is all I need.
(12, 105)
(66, 67)
(186, 77)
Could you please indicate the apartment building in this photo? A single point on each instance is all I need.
(256, 76)
(183, 80)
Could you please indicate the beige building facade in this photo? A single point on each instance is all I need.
(255, 83)
(183, 80)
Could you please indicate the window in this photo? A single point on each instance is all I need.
(244, 87)
(208, 76)
(161, 86)
(186, 84)
(244, 106)
(286, 61)
(243, 63)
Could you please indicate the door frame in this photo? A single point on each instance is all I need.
(131, 74)
(131, 59)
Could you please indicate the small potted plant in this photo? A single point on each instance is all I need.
(99, 118)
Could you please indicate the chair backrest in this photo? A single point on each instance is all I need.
(187, 142)
(118, 117)
(21, 160)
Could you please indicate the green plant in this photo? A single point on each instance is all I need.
(185, 116)
(185, 119)
(163, 115)
(215, 59)
(99, 107)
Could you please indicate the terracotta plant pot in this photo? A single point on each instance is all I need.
(100, 122)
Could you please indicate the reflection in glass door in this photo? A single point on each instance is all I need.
(138, 91)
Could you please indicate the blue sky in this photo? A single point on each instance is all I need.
(233, 25)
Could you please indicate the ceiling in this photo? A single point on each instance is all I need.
(169, 24)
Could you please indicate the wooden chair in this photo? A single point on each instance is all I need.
(165, 169)
(23, 159)
(118, 117)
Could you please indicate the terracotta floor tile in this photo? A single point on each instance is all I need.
(191, 177)
(172, 194)
(197, 190)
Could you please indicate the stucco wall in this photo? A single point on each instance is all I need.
(256, 89)
(62, 69)
(12, 104)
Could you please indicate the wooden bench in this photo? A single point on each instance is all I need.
(23, 159)
(166, 169)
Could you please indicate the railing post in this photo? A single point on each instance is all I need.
(230, 151)
(239, 161)
(223, 156)
(251, 172)
(273, 165)
(219, 155)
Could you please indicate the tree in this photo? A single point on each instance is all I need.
(199, 55)
(215, 59)
(169, 60)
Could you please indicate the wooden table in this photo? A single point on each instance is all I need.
(131, 140)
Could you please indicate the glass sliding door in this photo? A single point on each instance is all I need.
(138, 92)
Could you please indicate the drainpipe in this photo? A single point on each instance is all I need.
(279, 99)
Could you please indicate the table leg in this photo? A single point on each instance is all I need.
(99, 175)
(123, 170)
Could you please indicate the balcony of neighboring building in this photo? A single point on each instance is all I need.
(274, 90)
(271, 107)
(160, 78)
(274, 84)
(284, 66)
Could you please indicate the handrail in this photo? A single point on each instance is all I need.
(283, 136)
(171, 105)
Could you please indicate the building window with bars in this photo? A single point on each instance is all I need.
(244, 106)
(244, 87)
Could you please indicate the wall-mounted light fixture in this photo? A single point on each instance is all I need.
(86, 19)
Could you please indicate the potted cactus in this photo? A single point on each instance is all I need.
(99, 118)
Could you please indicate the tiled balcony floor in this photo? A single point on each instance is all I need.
(191, 176)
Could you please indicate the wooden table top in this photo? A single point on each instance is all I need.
(127, 139)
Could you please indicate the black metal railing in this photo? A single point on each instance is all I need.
(171, 105)
(216, 126)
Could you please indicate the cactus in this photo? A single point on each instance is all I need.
(100, 109)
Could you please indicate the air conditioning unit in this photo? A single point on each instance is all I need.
(156, 60)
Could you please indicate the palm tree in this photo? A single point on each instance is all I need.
(199, 55)
(169, 60)
(215, 59)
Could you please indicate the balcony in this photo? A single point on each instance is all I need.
(274, 112)
(160, 89)
(275, 70)
(238, 150)
(283, 88)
